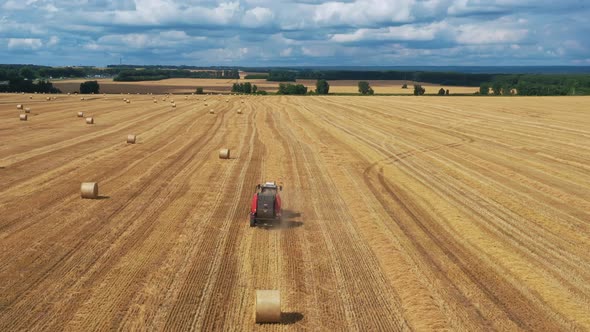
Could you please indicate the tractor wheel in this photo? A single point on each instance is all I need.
(252, 222)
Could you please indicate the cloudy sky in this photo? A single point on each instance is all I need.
(301, 32)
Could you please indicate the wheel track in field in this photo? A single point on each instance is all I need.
(193, 299)
(186, 171)
(461, 193)
(355, 260)
(105, 298)
(94, 136)
(414, 238)
(298, 273)
(86, 152)
(385, 152)
(463, 157)
(54, 180)
(147, 182)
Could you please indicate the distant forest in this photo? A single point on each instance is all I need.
(31, 78)
(128, 75)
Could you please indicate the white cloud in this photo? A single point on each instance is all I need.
(397, 33)
(333, 32)
(488, 34)
(257, 17)
(53, 40)
(286, 52)
(363, 12)
(24, 43)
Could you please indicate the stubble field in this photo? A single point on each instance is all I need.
(401, 213)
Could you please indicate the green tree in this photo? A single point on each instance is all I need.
(484, 89)
(292, 89)
(254, 88)
(322, 87)
(27, 73)
(419, 90)
(497, 88)
(199, 91)
(247, 87)
(89, 87)
(405, 86)
(365, 88)
(447, 92)
(441, 92)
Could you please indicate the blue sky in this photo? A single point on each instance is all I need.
(302, 32)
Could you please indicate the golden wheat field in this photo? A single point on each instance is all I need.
(189, 85)
(401, 213)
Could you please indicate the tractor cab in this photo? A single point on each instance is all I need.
(269, 188)
(266, 203)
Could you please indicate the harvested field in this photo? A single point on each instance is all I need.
(402, 213)
(189, 85)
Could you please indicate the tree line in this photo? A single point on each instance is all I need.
(443, 78)
(133, 75)
(537, 85)
(32, 72)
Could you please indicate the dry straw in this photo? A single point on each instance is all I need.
(27, 110)
(268, 306)
(89, 190)
(131, 138)
(23, 117)
(19, 107)
(90, 120)
(80, 114)
(224, 154)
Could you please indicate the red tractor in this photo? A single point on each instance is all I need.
(266, 204)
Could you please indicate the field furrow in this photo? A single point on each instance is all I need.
(400, 213)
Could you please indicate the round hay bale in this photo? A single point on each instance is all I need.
(131, 138)
(19, 107)
(211, 112)
(30, 97)
(173, 105)
(89, 190)
(268, 306)
(27, 110)
(90, 120)
(23, 117)
(155, 101)
(80, 114)
(239, 111)
(224, 154)
(128, 101)
(69, 93)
